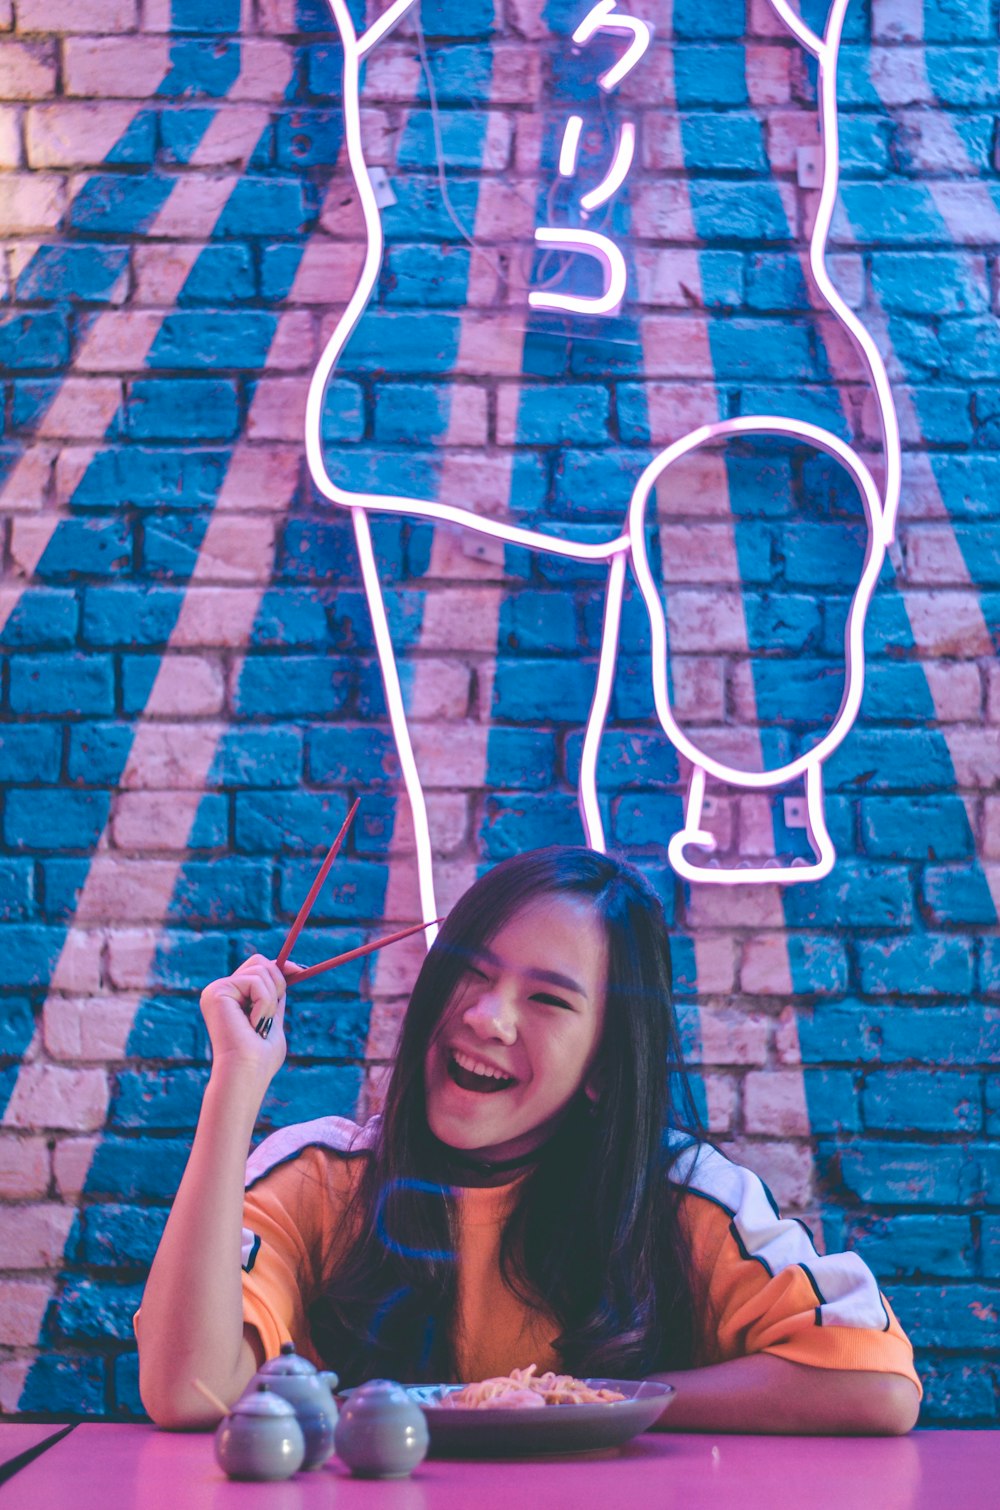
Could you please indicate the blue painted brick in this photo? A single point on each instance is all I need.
(157, 1099)
(327, 1029)
(355, 889)
(896, 692)
(992, 1097)
(145, 477)
(556, 413)
(987, 422)
(463, 138)
(261, 757)
(963, 75)
(957, 1392)
(991, 1246)
(35, 340)
(290, 617)
(364, 756)
(182, 408)
(462, 18)
(691, 19)
(627, 758)
(916, 828)
(62, 882)
(96, 1308)
(193, 16)
(818, 963)
(865, 146)
(852, 1031)
(169, 1028)
(952, 1316)
(320, 1091)
(314, 945)
(968, 484)
(886, 760)
(957, 894)
(323, 549)
(413, 412)
(273, 822)
(817, 555)
(265, 206)
(923, 1101)
(533, 622)
(425, 275)
(138, 1169)
(521, 759)
(647, 819)
(98, 752)
(213, 338)
(17, 1023)
(343, 414)
(748, 212)
(221, 275)
(114, 204)
(229, 890)
(904, 1174)
(709, 75)
(420, 213)
(911, 1246)
(904, 282)
(775, 281)
(522, 690)
(733, 142)
(28, 952)
(513, 824)
(946, 418)
(126, 1400)
(403, 341)
(970, 347)
(780, 621)
(44, 616)
(832, 1101)
(596, 483)
(919, 964)
(309, 138)
(62, 684)
(186, 959)
(801, 691)
(170, 544)
(892, 213)
(82, 271)
(817, 406)
(67, 1385)
(988, 972)
(127, 615)
(47, 819)
(293, 686)
(87, 548)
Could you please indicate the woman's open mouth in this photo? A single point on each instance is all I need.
(471, 1074)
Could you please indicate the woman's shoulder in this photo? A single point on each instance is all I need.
(701, 1169)
(324, 1140)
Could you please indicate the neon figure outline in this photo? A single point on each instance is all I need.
(627, 547)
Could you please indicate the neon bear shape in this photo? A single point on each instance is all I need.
(628, 546)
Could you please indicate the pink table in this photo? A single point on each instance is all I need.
(99, 1467)
(20, 1438)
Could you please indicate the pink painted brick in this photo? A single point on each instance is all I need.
(699, 553)
(160, 270)
(442, 690)
(705, 620)
(27, 70)
(464, 616)
(114, 67)
(774, 1102)
(662, 209)
(294, 345)
(662, 146)
(769, 74)
(975, 754)
(78, 969)
(993, 694)
(847, 269)
(716, 958)
(278, 409)
(187, 686)
(957, 691)
(787, 131)
(948, 624)
(933, 557)
(451, 755)
(762, 21)
(11, 155)
(175, 756)
(13, 1377)
(49, 1095)
(668, 278)
(90, 1029)
(30, 202)
(328, 273)
(699, 688)
(150, 821)
(787, 1168)
(22, 1307)
(677, 346)
(6, 14)
(25, 1165)
(33, 1237)
(97, 16)
(118, 340)
(83, 408)
(130, 891)
(897, 21)
(899, 75)
(277, 16)
(721, 1102)
(71, 1163)
(237, 548)
(265, 69)
(765, 969)
(931, 143)
(753, 907)
(219, 616)
(131, 953)
(448, 819)
(732, 1036)
(261, 477)
(787, 1049)
(990, 848)
(674, 408)
(756, 825)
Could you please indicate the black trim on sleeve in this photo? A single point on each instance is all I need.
(885, 1311)
(745, 1251)
(812, 1280)
(770, 1200)
(253, 1254)
(819, 1316)
(336, 1153)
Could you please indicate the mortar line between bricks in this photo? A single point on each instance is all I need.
(443, 564)
(149, 735)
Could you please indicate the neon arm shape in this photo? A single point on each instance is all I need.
(570, 146)
(604, 18)
(590, 810)
(616, 174)
(383, 25)
(591, 244)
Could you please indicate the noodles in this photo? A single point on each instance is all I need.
(523, 1389)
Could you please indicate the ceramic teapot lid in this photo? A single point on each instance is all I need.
(288, 1361)
(379, 1395)
(262, 1402)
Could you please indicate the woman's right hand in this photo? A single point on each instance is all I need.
(235, 1007)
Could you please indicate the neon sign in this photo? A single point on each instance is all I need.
(627, 548)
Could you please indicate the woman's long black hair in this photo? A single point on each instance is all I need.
(594, 1237)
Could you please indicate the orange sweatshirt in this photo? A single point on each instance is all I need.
(768, 1289)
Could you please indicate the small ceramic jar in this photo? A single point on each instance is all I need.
(310, 1394)
(382, 1433)
(260, 1438)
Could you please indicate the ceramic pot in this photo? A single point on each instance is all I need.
(260, 1438)
(381, 1433)
(310, 1394)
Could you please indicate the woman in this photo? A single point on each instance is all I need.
(532, 1194)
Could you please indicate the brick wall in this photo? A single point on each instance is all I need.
(190, 695)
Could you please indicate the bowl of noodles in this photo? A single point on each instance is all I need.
(524, 1413)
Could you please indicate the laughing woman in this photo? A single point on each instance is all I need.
(538, 1190)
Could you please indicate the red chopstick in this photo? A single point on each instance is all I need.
(342, 959)
(315, 888)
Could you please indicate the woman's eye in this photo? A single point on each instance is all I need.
(552, 1001)
(479, 974)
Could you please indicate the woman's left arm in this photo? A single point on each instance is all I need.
(762, 1393)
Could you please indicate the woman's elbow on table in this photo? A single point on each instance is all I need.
(896, 1407)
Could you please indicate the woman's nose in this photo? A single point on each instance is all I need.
(493, 1016)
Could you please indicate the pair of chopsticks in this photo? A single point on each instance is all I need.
(292, 978)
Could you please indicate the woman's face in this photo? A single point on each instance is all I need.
(521, 1032)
